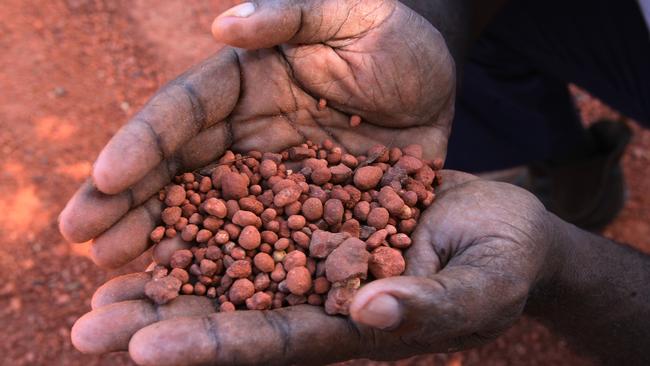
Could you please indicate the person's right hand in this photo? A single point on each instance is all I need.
(478, 252)
(377, 59)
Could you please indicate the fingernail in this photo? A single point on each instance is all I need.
(243, 10)
(382, 311)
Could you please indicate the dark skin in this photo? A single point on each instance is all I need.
(483, 253)
(474, 260)
(351, 53)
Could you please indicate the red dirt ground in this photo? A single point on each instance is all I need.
(73, 71)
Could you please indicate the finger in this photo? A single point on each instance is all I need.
(127, 239)
(263, 24)
(122, 288)
(196, 100)
(295, 335)
(109, 328)
(91, 212)
(444, 313)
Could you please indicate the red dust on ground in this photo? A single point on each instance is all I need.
(72, 72)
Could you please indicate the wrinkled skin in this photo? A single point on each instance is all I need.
(377, 59)
(478, 252)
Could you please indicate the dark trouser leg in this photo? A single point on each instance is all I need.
(513, 106)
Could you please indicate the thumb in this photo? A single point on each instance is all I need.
(451, 310)
(267, 23)
(398, 302)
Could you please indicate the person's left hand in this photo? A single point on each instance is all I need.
(477, 253)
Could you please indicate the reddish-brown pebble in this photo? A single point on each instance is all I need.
(262, 281)
(199, 289)
(287, 195)
(175, 195)
(269, 237)
(407, 226)
(376, 239)
(299, 280)
(189, 232)
(338, 300)
(246, 218)
(215, 207)
(170, 232)
(187, 289)
(322, 104)
(378, 217)
(181, 258)
(170, 215)
(157, 234)
(206, 185)
(250, 238)
(233, 207)
(361, 210)
(278, 273)
(181, 274)
(312, 209)
(203, 236)
(355, 120)
(409, 163)
(400, 240)
(259, 301)
(394, 155)
(213, 253)
(268, 168)
(281, 244)
(264, 262)
(252, 205)
(324, 242)
(208, 267)
(340, 173)
(297, 153)
(379, 152)
(321, 285)
(333, 211)
(351, 227)
(233, 186)
(241, 290)
(294, 259)
(321, 175)
(425, 175)
(301, 239)
(221, 237)
(390, 200)
(227, 307)
(315, 300)
(239, 269)
(163, 290)
(349, 260)
(367, 177)
(386, 262)
(296, 222)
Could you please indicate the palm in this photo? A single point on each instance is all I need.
(362, 75)
(376, 59)
(477, 253)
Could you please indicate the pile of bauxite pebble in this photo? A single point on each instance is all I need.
(308, 225)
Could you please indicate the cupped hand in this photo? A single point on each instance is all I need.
(376, 59)
(478, 252)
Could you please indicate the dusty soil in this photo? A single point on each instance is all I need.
(71, 72)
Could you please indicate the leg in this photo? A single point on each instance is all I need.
(513, 106)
